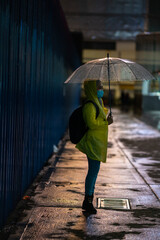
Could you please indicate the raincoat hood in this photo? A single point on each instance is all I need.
(90, 88)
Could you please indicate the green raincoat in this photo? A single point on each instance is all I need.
(94, 142)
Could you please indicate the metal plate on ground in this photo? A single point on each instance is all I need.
(113, 203)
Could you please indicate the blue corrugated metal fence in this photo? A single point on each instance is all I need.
(36, 56)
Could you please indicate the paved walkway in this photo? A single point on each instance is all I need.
(132, 172)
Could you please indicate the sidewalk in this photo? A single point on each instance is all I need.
(132, 172)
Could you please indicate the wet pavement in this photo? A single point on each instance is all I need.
(132, 171)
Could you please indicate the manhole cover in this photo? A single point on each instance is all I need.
(113, 203)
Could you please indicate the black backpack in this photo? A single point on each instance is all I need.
(77, 126)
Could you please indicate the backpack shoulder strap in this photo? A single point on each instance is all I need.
(96, 106)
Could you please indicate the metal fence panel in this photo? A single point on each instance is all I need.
(36, 57)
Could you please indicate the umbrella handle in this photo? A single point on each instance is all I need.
(110, 97)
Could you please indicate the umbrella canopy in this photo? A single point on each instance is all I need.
(112, 69)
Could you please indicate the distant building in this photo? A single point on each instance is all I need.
(112, 26)
(148, 54)
(107, 26)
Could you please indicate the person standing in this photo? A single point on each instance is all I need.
(94, 142)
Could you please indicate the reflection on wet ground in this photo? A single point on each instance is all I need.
(147, 154)
(152, 118)
(146, 148)
(142, 141)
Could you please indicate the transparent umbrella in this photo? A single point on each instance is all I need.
(110, 69)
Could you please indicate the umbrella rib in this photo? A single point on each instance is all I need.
(131, 71)
(89, 71)
(115, 71)
(101, 70)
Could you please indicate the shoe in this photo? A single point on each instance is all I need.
(88, 205)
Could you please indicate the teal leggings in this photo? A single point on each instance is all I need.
(93, 169)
